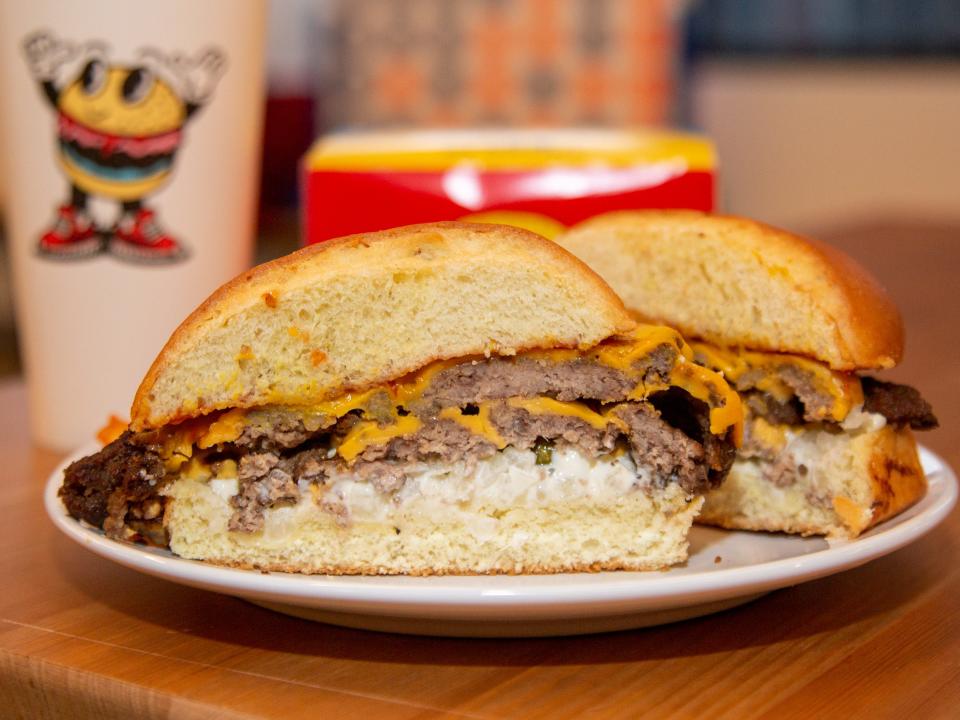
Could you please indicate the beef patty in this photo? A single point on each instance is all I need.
(278, 449)
(901, 405)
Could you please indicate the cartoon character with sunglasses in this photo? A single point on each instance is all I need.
(119, 128)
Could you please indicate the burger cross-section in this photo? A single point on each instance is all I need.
(506, 414)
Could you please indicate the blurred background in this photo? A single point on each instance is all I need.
(830, 116)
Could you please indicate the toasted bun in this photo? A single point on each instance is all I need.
(637, 531)
(851, 483)
(737, 282)
(368, 308)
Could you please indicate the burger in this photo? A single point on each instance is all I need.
(793, 325)
(443, 398)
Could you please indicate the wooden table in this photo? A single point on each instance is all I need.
(83, 638)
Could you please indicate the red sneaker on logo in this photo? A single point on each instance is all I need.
(73, 235)
(140, 238)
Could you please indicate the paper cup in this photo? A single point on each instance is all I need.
(129, 148)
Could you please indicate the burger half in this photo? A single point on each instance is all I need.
(445, 398)
(792, 324)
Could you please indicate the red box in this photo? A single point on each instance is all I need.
(544, 180)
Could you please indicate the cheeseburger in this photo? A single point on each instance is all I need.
(446, 398)
(792, 324)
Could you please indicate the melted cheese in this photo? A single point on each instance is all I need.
(624, 353)
(224, 429)
(766, 435)
(621, 352)
(750, 369)
(367, 433)
(549, 406)
(177, 445)
(555, 355)
(196, 469)
(225, 469)
(724, 403)
(338, 407)
(478, 424)
(412, 386)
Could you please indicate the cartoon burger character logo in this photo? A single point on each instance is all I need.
(119, 127)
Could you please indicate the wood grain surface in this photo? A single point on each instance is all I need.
(83, 638)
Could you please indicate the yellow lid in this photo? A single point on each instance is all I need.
(488, 149)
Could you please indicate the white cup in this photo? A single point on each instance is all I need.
(129, 148)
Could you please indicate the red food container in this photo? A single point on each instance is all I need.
(544, 180)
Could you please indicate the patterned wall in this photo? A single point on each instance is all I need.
(469, 62)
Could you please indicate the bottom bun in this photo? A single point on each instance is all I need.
(503, 515)
(837, 484)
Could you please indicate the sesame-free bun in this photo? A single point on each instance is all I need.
(642, 529)
(851, 481)
(364, 309)
(738, 282)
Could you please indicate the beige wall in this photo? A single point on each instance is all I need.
(812, 143)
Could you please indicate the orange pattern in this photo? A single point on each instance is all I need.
(544, 41)
(399, 84)
(593, 87)
(491, 82)
(468, 62)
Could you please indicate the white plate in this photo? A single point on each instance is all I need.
(725, 569)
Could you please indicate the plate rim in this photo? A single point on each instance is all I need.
(502, 591)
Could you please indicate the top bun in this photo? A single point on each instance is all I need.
(737, 282)
(364, 309)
